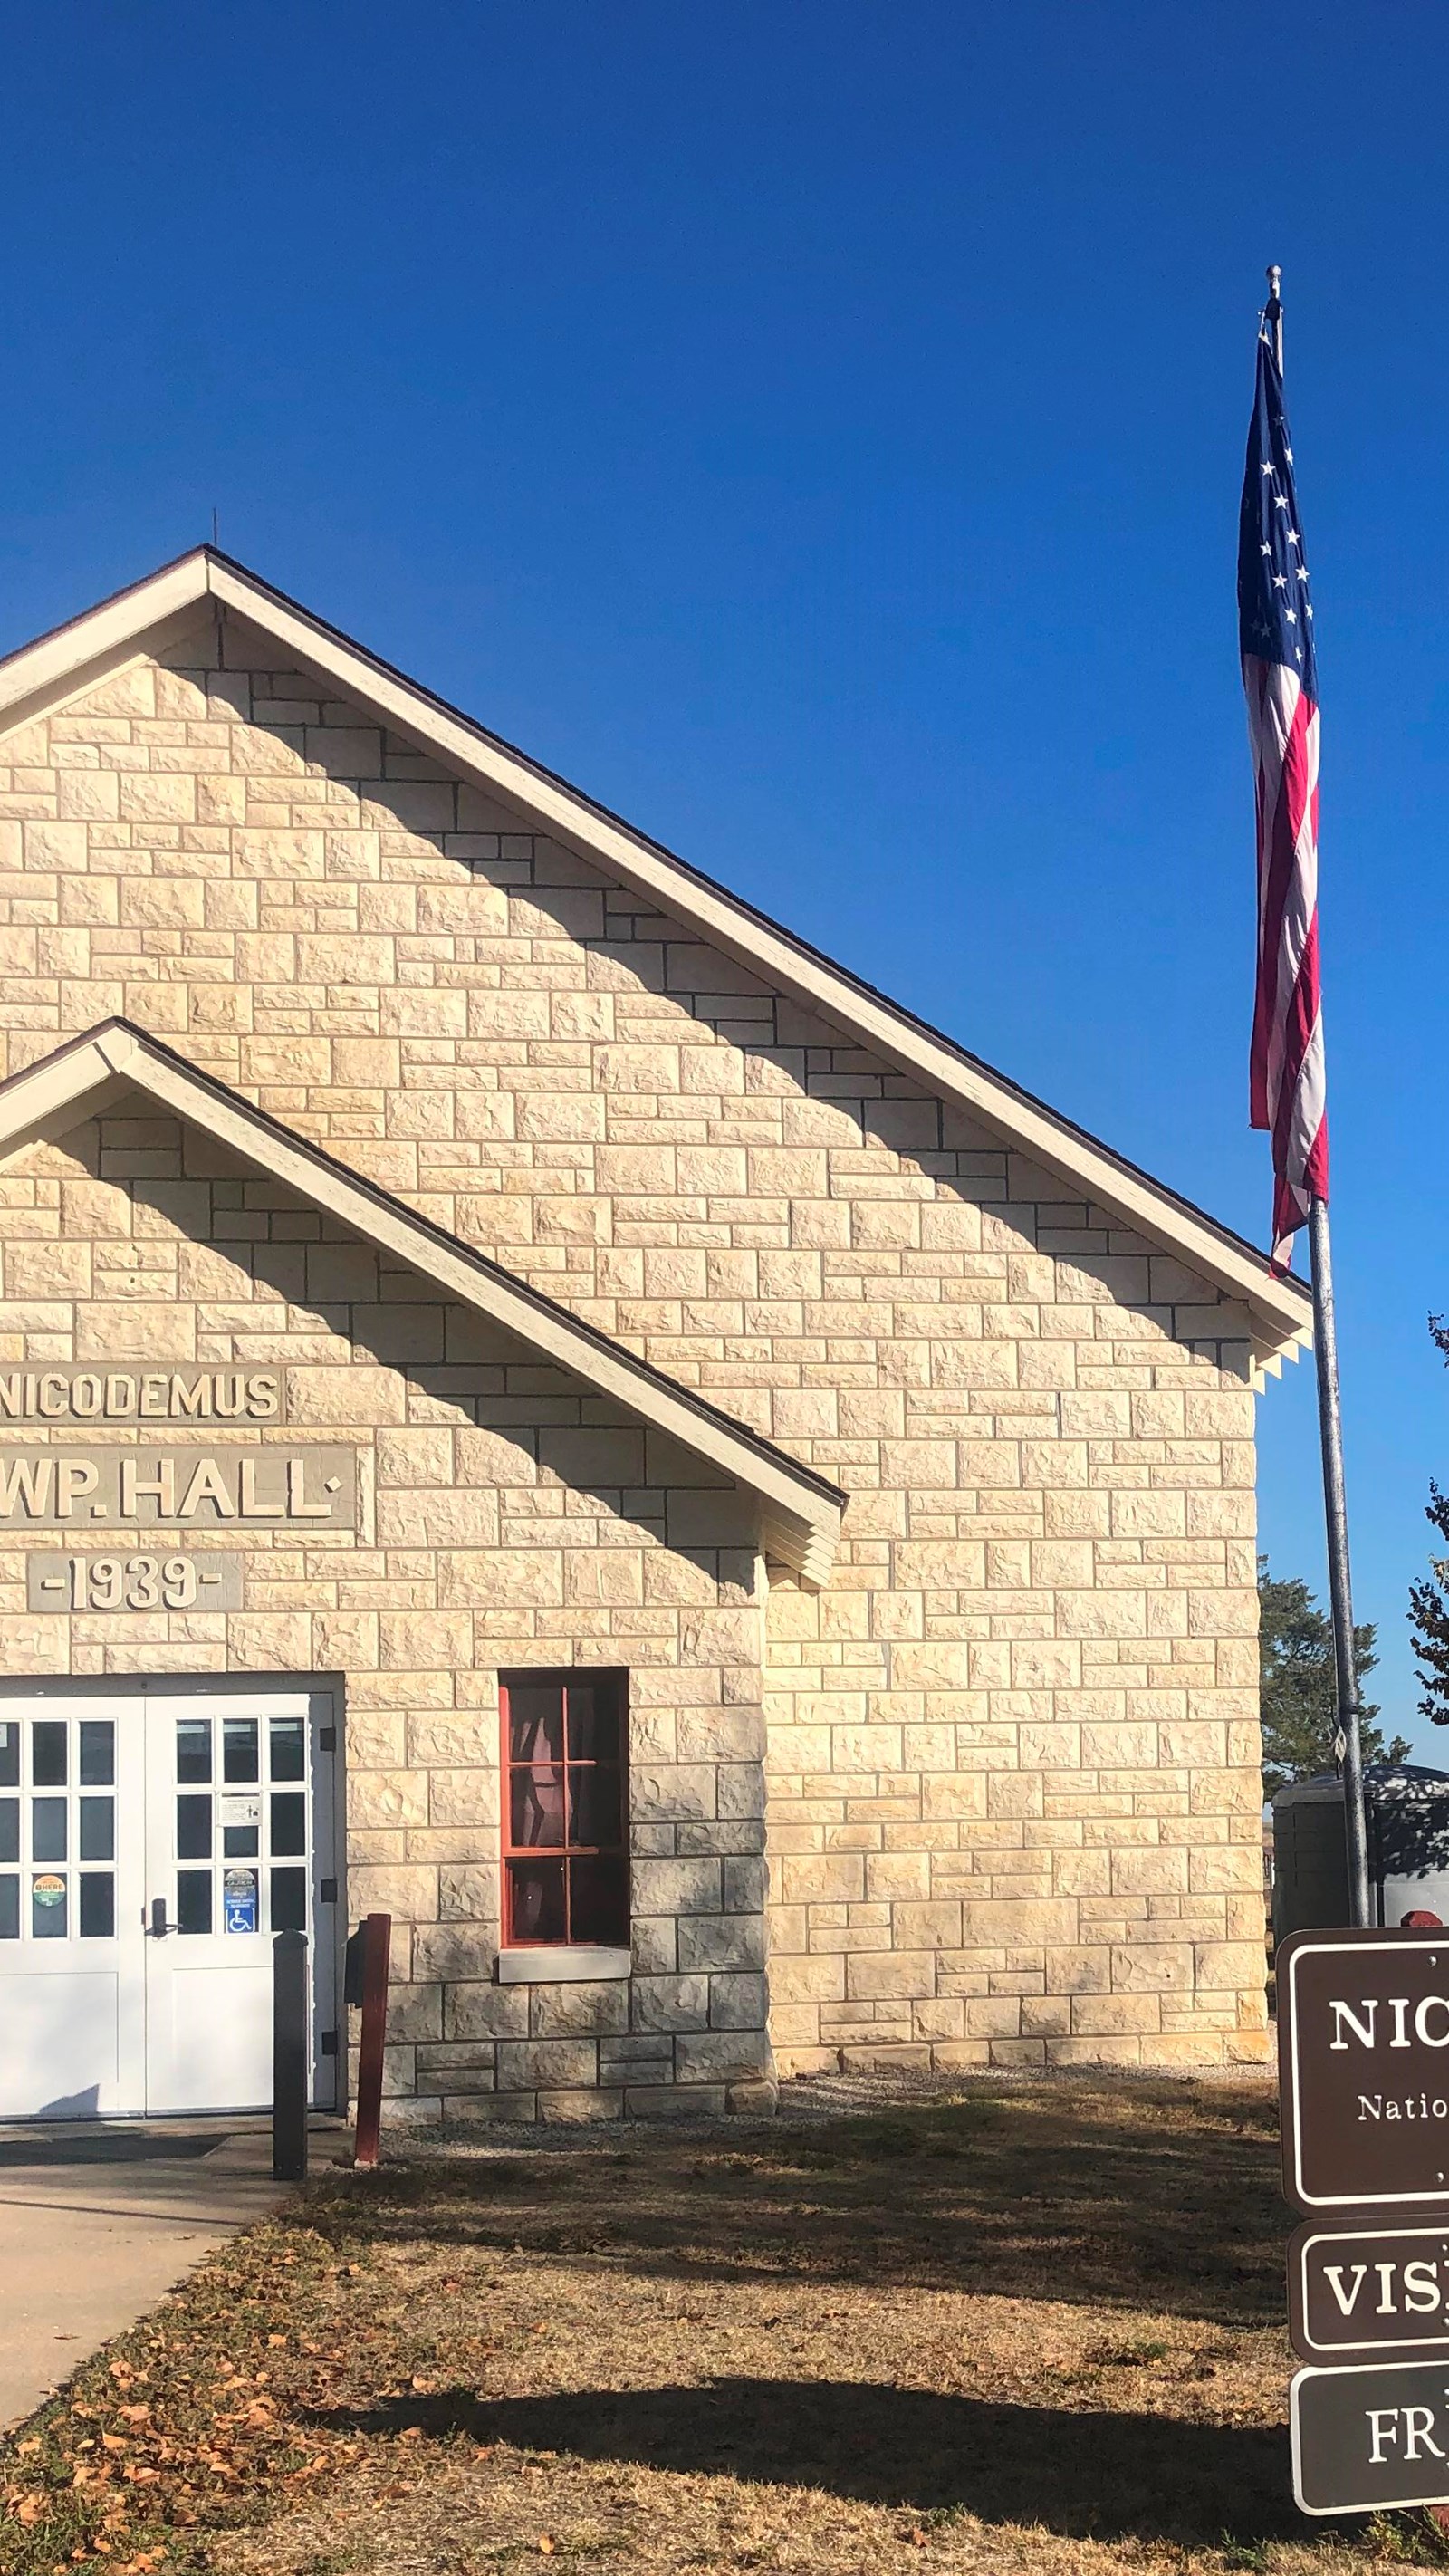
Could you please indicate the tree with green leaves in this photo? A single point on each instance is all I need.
(1298, 1698)
(1429, 1600)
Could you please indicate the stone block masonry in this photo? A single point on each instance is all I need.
(507, 1519)
(1012, 1751)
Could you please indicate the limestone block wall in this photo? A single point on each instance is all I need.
(508, 1517)
(1014, 1793)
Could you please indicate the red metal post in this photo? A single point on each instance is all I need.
(376, 1943)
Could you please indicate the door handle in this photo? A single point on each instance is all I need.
(158, 1926)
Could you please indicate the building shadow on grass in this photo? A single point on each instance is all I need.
(1100, 2476)
(1086, 2201)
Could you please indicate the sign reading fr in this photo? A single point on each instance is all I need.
(1364, 2439)
(1363, 2064)
(1356, 2292)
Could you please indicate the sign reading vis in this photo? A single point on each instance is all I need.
(1369, 2292)
(294, 1488)
(1364, 2069)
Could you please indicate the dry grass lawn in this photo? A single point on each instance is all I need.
(1029, 2327)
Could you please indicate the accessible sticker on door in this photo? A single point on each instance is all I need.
(239, 1900)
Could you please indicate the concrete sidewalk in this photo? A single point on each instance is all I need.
(98, 2223)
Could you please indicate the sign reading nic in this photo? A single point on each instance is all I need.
(1363, 2034)
(1364, 2069)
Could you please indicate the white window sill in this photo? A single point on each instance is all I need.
(561, 1967)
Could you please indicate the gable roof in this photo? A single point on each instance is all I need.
(75, 656)
(801, 1511)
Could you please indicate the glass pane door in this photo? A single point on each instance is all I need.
(71, 1966)
(238, 1847)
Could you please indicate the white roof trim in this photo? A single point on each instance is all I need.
(800, 1512)
(1280, 1308)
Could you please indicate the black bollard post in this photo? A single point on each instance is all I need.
(289, 2057)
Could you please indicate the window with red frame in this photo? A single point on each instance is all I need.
(565, 1847)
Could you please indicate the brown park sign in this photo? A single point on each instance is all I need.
(1364, 2440)
(1363, 2065)
(1369, 2292)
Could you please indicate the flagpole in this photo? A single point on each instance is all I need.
(1348, 1744)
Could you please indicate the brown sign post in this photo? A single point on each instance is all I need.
(1363, 2062)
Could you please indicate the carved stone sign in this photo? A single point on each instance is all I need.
(295, 1488)
(115, 1583)
(1366, 2439)
(1363, 2044)
(1365, 2292)
(76, 1392)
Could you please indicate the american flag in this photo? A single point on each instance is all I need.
(1275, 631)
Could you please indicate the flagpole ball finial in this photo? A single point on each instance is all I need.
(1275, 283)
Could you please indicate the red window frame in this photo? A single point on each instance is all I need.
(565, 1765)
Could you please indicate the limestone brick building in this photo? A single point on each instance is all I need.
(533, 1401)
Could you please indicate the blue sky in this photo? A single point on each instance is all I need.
(816, 429)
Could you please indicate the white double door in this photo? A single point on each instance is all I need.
(151, 1845)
